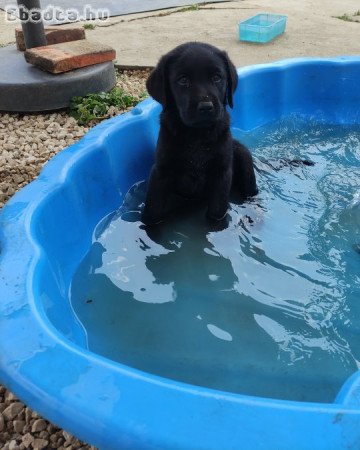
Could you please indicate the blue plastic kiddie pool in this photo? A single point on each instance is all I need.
(46, 230)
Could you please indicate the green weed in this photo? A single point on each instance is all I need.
(95, 107)
(189, 8)
(345, 17)
(89, 26)
(349, 18)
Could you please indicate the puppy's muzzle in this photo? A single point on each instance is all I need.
(205, 108)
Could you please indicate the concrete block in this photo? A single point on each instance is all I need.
(59, 58)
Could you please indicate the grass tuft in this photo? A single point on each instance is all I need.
(345, 17)
(95, 107)
(89, 26)
(348, 18)
(189, 8)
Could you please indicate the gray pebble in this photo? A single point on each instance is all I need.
(19, 425)
(9, 146)
(44, 435)
(9, 397)
(53, 438)
(27, 439)
(13, 445)
(38, 425)
(39, 444)
(67, 436)
(12, 410)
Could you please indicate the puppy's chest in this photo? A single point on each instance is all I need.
(196, 157)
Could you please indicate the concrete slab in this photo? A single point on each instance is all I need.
(140, 39)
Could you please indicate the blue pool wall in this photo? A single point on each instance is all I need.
(325, 91)
(107, 404)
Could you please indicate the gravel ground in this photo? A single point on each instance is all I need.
(27, 142)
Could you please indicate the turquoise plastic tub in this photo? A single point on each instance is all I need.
(262, 27)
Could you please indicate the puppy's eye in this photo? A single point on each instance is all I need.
(216, 78)
(184, 81)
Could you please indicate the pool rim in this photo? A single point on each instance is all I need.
(20, 307)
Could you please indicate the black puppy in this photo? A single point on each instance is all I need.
(196, 157)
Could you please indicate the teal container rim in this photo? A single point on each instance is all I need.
(281, 18)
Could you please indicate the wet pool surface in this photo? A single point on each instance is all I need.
(269, 306)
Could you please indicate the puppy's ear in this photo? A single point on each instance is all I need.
(158, 82)
(232, 78)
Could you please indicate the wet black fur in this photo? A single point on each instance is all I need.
(196, 159)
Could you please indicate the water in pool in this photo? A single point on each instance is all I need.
(269, 306)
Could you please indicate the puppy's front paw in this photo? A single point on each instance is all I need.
(218, 224)
(150, 219)
(218, 212)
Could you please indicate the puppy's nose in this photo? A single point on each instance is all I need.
(205, 107)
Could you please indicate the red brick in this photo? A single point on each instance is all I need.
(59, 58)
(54, 35)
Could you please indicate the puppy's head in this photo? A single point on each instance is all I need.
(196, 79)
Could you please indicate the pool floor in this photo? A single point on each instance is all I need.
(269, 306)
